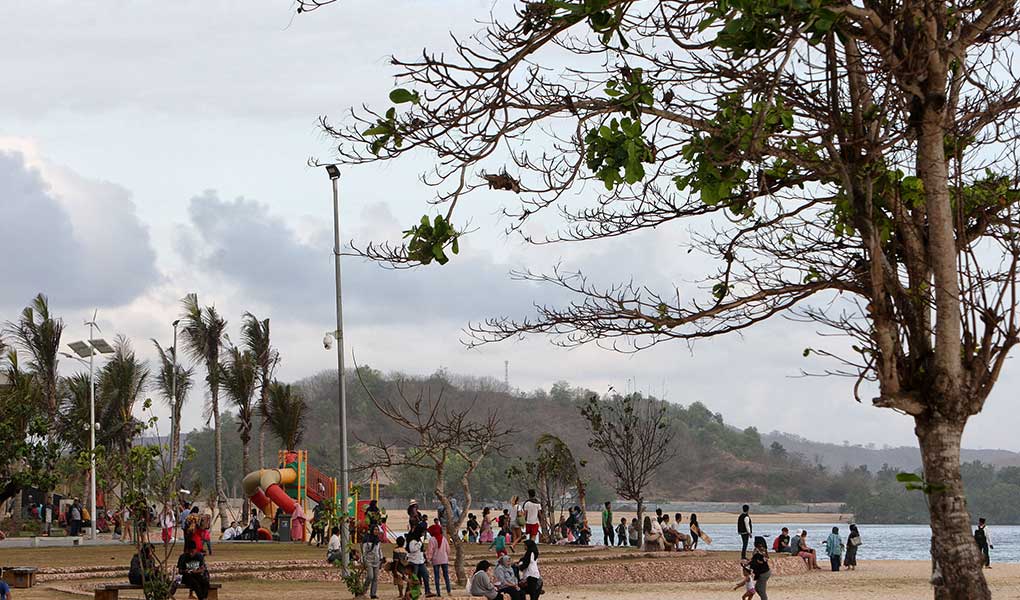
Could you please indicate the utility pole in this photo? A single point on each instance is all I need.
(334, 176)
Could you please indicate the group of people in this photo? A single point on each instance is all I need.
(839, 553)
(662, 534)
(426, 544)
(191, 571)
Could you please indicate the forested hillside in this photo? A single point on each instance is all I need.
(714, 461)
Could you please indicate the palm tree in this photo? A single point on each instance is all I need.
(203, 337)
(255, 336)
(174, 393)
(239, 375)
(74, 411)
(121, 381)
(285, 414)
(38, 334)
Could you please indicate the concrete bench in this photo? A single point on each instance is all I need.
(19, 577)
(111, 591)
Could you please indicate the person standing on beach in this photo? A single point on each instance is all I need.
(532, 516)
(759, 564)
(621, 532)
(984, 542)
(745, 529)
(834, 548)
(608, 537)
(853, 540)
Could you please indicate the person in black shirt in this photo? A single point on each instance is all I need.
(142, 565)
(981, 537)
(744, 528)
(782, 542)
(759, 564)
(194, 574)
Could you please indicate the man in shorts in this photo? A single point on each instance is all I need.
(532, 516)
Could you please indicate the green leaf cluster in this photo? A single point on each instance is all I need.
(616, 152)
(630, 92)
(428, 240)
(384, 130)
(718, 174)
(753, 26)
(600, 18)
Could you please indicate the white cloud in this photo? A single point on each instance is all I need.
(77, 239)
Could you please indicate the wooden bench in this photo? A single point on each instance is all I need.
(19, 577)
(111, 591)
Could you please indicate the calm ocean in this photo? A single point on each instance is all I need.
(881, 542)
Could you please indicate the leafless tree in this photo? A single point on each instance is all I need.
(850, 163)
(432, 435)
(633, 434)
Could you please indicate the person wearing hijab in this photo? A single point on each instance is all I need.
(506, 580)
(438, 553)
(853, 540)
(529, 573)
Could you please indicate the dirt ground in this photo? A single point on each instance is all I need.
(880, 580)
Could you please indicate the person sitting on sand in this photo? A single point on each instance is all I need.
(684, 540)
(807, 552)
(747, 583)
(653, 535)
(506, 580)
(143, 564)
(782, 541)
(481, 585)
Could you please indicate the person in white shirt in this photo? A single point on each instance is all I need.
(531, 579)
(532, 515)
(335, 546)
(416, 556)
(233, 532)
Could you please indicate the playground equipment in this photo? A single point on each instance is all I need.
(290, 487)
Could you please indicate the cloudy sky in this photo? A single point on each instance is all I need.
(152, 149)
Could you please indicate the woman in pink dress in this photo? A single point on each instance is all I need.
(486, 530)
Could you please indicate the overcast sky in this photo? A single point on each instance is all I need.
(152, 149)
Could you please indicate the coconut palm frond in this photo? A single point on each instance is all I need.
(286, 414)
(238, 380)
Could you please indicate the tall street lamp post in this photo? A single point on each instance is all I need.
(90, 349)
(334, 176)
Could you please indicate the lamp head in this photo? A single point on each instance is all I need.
(333, 171)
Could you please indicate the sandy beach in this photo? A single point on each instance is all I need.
(880, 580)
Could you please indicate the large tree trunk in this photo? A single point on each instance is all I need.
(956, 555)
(641, 522)
(262, 443)
(245, 443)
(221, 498)
(175, 436)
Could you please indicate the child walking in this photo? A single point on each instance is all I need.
(747, 583)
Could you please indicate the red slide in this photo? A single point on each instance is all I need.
(280, 498)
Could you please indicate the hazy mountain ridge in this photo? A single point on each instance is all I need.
(904, 458)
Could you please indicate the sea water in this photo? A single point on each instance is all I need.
(880, 542)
